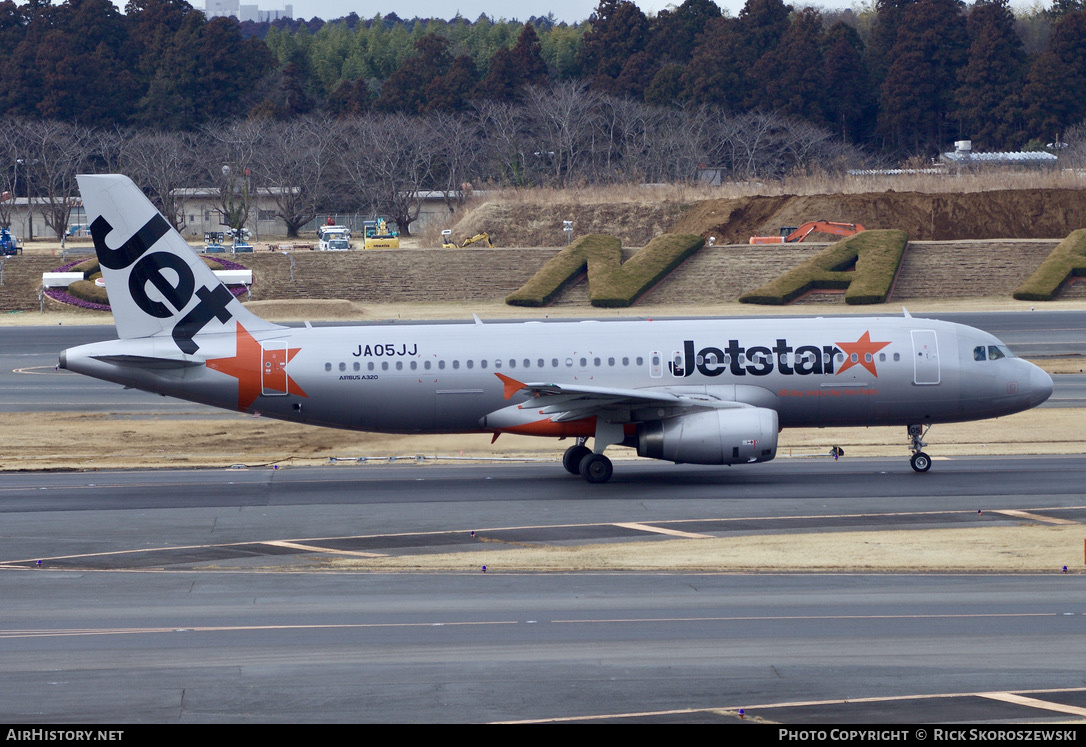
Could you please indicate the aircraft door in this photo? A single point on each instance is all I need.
(925, 357)
(677, 364)
(656, 364)
(273, 368)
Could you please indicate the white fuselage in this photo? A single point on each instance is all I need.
(418, 378)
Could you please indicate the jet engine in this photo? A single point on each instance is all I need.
(727, 436)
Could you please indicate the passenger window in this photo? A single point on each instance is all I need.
(342, 366)
(327, 366)
(425, 364)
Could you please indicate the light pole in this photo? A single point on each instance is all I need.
(29, 212)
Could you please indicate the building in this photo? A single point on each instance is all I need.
(216, 8)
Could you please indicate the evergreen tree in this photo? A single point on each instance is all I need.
(1055, 93)
(848, 103)
(406, 90)
(719, 71)
(792, 74)
(918, 93)
(988, 105)
(619, 31)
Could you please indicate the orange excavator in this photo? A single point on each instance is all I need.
(790, 234)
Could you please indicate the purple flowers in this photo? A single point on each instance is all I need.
(62, 295)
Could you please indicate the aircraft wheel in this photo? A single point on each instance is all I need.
(571, 460)
(920, 461)
(596, 468)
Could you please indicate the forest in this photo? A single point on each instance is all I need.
(383, 108)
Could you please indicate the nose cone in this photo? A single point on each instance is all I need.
(1040, 386)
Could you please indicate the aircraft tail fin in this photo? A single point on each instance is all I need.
(157, 284)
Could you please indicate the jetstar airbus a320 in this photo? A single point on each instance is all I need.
(701, 392)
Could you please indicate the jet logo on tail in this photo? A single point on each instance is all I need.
(169, 274)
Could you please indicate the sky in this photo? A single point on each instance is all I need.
(569, 11)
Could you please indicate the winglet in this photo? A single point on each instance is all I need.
(477, 319)
(906, 313)
(512, 386)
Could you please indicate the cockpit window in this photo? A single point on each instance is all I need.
(991, 352)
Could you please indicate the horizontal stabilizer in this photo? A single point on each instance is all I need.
(143, 361)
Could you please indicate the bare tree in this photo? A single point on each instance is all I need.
(506, 148)
(562, 117)
(234, 146)
(12, 151)
(298, 166)
(389, 161)
(457, 142)
(56, 152)
(163, 164)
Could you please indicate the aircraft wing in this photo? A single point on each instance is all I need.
(565, 402)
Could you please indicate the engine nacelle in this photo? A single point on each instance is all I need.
(732, 436)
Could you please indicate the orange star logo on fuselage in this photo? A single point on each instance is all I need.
(257, 369)
(861, 349)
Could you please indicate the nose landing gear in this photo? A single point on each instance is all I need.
(920, 461)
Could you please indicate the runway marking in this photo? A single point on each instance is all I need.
(1032, 516)
(74, 632)
(733, 710)
(307, 544)
(661, 530)
(314, 548)
(1035, 703)
(793, 618)
(48, 371)
(79, 632)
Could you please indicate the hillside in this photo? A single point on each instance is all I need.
(1006, 214)
(985, 244)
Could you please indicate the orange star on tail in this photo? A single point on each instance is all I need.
(248, 367)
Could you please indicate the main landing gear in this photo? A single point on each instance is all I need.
(581, 460)
(920, 461)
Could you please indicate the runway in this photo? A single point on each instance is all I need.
(204, 596)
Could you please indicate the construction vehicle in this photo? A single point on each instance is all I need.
(446, 240)
(378, 234)
(9, 247)
(790, 234)
(479, 238)
(334, 238)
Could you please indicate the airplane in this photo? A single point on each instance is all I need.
(705, 391)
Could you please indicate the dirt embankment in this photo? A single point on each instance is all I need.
(1004, 214)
